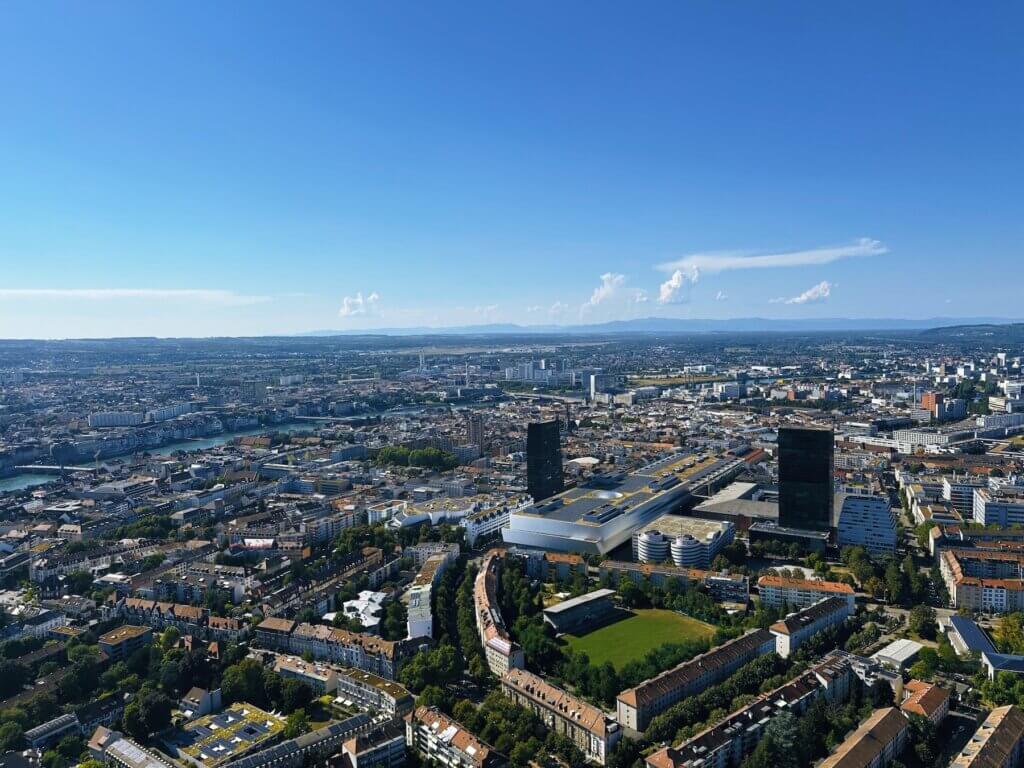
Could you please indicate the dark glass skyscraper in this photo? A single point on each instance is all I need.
(805, 477)
(543, 460)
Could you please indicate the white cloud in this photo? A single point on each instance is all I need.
(723, 261)
(485, 310)
(721, 296)
(818, 292)
(204, 295)
(357, 306)
(534, 308)
(557, 309)
(611, 282)
(639, 296)
(675, 290)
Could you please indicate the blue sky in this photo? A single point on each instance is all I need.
(253, 168)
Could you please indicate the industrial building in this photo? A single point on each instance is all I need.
(579, 614)
(687, 542)
(601, 514)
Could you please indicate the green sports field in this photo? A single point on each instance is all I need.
(632, 637)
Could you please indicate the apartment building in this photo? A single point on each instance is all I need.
(866, 520)
(591, 729)
(998, 742)
(926, 700)
(877, 743)
(187, 619)
(352, 649)
(489, 521)
(352, 686)
(125, 753)
(501, 653)
(779, 592)
(381, 749)
(372, 691)
(797, 628)
(728, 741)
(983, 579)
(1002, 507)
(635, 707)
(122, 642)
(440, 739)
(420, 621)
(321, 678)
(275, 633)
(959, 490)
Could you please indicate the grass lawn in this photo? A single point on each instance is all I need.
(632, 637)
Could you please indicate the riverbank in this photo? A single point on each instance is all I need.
(29, 479)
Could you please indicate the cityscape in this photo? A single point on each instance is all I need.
(511, 386)
(668, 550)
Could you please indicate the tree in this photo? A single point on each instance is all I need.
(170, 637)
(12, 736)
(297, 724)
(152, 561)
(243, 682)
(922, 621)
(216, 601)
(895, 585)
(433, 696)
(393, 455)
(437, 667)
(393, 626)
(874, 586)
(12, 677)
(924, 741)
(1009, 634)
(170, 677)
(70, 747)
(148, 713)
(82, 679)
(295, 695)
(630, 594)
(926, 665)
(923, 534)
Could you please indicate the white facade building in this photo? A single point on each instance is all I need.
(1002, 507)
(865, 520)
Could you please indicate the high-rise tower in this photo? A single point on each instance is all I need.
(805, 477)
(543, 460)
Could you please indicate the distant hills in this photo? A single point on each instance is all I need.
(993, 333)
(678, 325)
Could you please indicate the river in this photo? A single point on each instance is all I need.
(30, 479)
(203, 443)
(17, 482)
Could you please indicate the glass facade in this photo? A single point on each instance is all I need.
(805, 478)
(543, 460)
